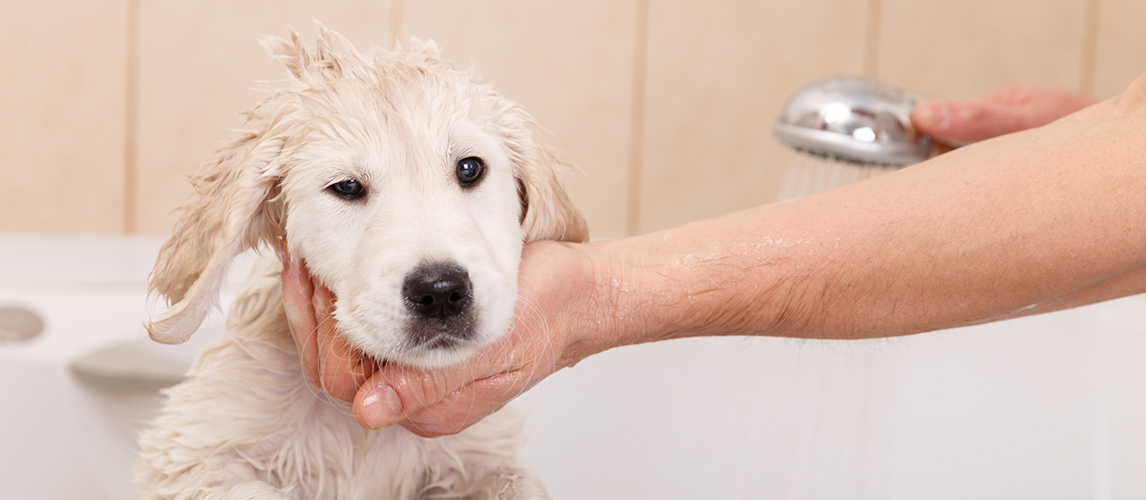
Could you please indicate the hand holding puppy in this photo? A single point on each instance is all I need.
(539, 342)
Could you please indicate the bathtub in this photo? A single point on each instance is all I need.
(1045, 407)
(75, 395)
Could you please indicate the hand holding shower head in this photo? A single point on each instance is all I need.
(855, 120)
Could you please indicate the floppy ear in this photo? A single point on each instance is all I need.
(547, 212)
(233, 209)
(235, 206)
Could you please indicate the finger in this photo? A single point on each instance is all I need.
(960, 122)
(297, 291)
(342, 368)
(394, 392)
(1003, 111)
(467, 406)
(1035, 106)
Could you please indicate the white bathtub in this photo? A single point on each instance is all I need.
(1044, 407)
(68, 435)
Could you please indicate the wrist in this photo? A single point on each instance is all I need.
(588, 305)
(730, 275)
(662, 286)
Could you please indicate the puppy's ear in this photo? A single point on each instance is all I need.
(333, 56)
(547, 212)
(233, 209)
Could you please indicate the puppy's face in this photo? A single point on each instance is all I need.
(409, 212)
(406, 186)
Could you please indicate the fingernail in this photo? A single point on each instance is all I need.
(381, 408)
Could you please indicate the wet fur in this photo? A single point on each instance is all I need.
(246, 424)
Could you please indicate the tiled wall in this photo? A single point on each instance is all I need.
(106, 105)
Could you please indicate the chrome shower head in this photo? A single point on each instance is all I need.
(856, 120)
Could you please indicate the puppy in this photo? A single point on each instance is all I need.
(409, 189)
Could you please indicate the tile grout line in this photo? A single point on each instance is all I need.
(871, 38)
(637, 120)
(131, 109)
(1090, 28)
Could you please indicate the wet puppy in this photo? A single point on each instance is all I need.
(409, 189)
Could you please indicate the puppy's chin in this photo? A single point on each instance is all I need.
(429, 352)
(432, 357)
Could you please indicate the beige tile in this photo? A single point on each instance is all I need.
(1121, 54)
(62, 115)
(718, 74)
(199, 63)
(961, 48)
(569, 64)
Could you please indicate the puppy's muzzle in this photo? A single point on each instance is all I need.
(440, 297)
(437, 291)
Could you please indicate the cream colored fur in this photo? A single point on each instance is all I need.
(246, 424)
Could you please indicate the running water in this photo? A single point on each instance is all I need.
(815, 174)
(846, 402)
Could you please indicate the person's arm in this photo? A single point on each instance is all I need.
(1034, 221)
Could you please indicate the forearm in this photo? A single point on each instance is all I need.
(1123, 285)
(1028, 222)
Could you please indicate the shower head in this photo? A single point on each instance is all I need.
(856, 120)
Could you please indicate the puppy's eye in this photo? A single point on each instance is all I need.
(470, 170)
(349, 189)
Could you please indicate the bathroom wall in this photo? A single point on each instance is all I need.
(667, 106)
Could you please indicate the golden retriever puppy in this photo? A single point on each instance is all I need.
(409, 189)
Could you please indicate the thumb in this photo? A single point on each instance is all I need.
(377, 404)
(395, 392)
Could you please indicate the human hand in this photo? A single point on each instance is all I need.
(1006, 110)
(552, 279)
(544, 337)
(327, 361)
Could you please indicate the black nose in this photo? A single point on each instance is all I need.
(437, 291)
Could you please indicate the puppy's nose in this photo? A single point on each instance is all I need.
(437, 291)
